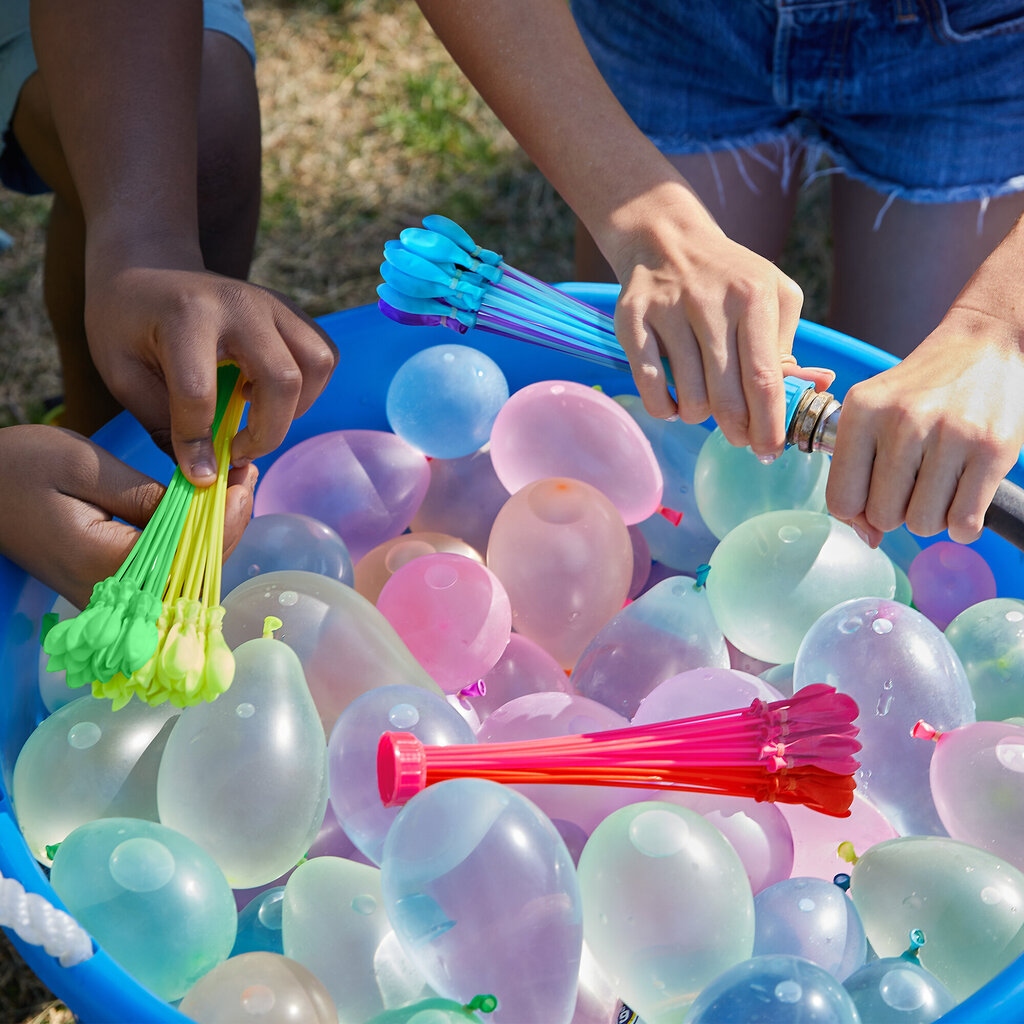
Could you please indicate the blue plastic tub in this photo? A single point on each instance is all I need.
(372, 348)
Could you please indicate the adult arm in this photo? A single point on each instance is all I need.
(122, 81)
(724, 316)
(927, 442)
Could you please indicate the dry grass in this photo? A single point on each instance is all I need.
(367, 126)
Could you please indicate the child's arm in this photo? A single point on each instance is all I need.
(723, 316)
(122, 80)
(59, 493)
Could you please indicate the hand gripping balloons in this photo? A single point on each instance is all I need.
(667, 630)
(969, 903)
(345, 645)
(260, 986)
(364, 484)
(559, 428)
(483, 895)
(151, 897)
(775, 990)
(287, 540)
(776, 573)
(988, 638)
(667, 906)
(731, 485)
(443, 399)
(352, 754)
(246, 776)
(977, 779)
(452, 613)
(564, 556)
(899, 668)
(85, 762)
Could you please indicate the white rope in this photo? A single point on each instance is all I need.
(34, 919)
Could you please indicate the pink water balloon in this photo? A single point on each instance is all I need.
(563, 553)
(946, 578)
(364, 484)
(376, 567)
(452, 613)
(977, 779)
(562, 428)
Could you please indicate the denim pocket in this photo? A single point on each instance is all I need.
(961, 21)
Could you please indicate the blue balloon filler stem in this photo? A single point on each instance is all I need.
(438, 276)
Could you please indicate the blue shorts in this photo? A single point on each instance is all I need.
(923, 99)
(18, 62)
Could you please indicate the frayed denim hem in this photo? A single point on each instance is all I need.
(800, 145)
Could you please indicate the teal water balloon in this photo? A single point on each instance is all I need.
(899, 668)
(988, 638)
(775, 574)
(85, 762)
(443, 400)
(898, 990)
(151, 897)
(977, 780)
(812, 918)
(345, 645)
(669, 629)
(731, 484)
(334, 924)
(775, 990)
(968, 902)
(685, 544)
(246, 775)
(352, 755)
(259, 923)
(259, 986)
(667, 906)
(484, 897)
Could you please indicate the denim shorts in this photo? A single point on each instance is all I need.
(18, 61)
(922, 99)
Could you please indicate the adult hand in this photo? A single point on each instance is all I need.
(60, 493)
(156, 336)
(928, 441)
(722, 316)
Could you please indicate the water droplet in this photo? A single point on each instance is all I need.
(1010, 754)
(790, 534)
(271, 912)
(257, 1000)
(364, 904)
(789, 991)
(253, 570)
(806, 904)
(851, 625)
(884, 705)
(83, 735)
(558, 389)
(448, 357)
(990, 895)
(403, 716)
(245, 710)
(288, 598)
(1014, 616)
(882, 626)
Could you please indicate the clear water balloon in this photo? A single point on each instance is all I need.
(898, 990)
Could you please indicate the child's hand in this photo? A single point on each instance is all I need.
(156, 336)
(59, 493)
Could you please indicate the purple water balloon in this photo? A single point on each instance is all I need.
(702, 691)
(364, 484)
(947, 578)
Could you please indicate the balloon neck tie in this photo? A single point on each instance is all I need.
(153, 629)
(701, 581)
(912, 952)
(482, 1003)
(672, 515)
(270, 623)
(846, 852)
(842, 880)
(474, 689)
(766, 751)
(923, 731)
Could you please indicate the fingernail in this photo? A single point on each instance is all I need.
(766, 460)
(203, 468)
(860, 533)
(673, 418)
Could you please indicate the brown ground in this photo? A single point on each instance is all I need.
(367, 126)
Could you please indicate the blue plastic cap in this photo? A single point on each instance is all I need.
(795, 388)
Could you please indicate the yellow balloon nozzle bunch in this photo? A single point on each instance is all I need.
(154, 628)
